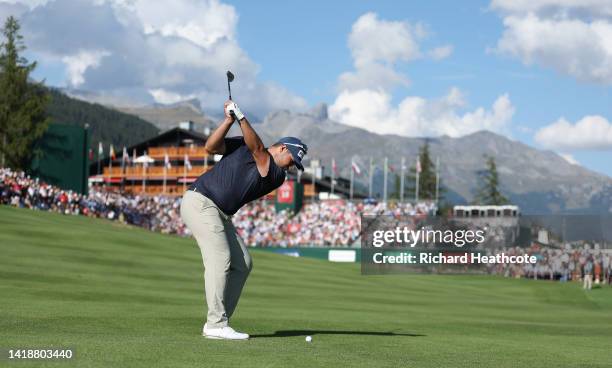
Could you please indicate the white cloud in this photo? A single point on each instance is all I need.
(375, 40)
(416, 116)
(168, 97)
(77, 64)
(8, 8)
(569, 158)
(201, 22)
(365, 95)
(377, 45)
(441, 52)
(585, 7)
(28, 3)
(156, 49)
(570, 36)
(590, 132)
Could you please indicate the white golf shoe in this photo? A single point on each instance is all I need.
(225, 333)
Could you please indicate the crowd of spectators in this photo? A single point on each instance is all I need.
(157, 213)
(321, 223)
(583, 263)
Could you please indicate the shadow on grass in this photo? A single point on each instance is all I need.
(290, 333)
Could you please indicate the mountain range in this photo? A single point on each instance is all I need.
(538, 181)
(163, 116)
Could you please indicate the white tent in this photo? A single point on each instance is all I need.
(144, 159)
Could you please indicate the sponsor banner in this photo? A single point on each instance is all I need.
(284, 194)
(336, 255)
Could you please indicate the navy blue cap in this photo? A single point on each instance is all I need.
(297, 148)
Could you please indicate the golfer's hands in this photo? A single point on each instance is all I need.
(233, 110)
(228, 115)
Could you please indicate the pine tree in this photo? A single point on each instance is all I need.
(22, 102)
(489, 193)
(427, 176)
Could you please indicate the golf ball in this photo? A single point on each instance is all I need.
(308, 338)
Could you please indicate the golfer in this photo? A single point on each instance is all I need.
(247, 171)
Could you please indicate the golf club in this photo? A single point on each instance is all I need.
(230, 78)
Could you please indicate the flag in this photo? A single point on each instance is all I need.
(125, 157)
(187, 163)
(167, 161)
(100, 153)
(356, 168)
(418, 164)
(334, 167)
(112, 153)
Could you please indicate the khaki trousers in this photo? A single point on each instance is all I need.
(227, 262)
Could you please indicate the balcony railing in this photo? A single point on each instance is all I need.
(135, 185)
(177, 152)
(174, 171)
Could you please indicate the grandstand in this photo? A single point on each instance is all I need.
(501, 222)
(134, 175)
(486, 211)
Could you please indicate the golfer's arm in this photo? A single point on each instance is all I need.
(256, 146)
(215, 143)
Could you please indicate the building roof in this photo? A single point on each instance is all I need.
(173, 137)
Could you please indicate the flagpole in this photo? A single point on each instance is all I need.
(110, 165)
(402, 180)
(165, 169)
(144, 182)
(418, 172)
(437, 178)
(100, 152)
(352, 178)
(184, 174)
(385, 180)
(332, 175)
(133, 171)
(123, 154)
(370, 174)
(145, 165)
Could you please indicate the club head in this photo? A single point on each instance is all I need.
(230, 76)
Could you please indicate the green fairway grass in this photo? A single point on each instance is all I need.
(125, 297)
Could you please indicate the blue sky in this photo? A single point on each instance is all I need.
(313, 52)
(539, 72)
